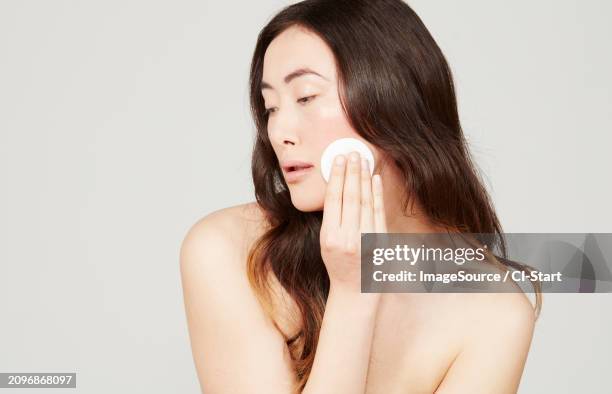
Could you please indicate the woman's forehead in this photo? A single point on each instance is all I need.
(297, 48)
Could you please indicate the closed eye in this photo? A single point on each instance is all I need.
(303, 100)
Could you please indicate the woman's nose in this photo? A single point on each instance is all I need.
(284, 131)
(286, 140)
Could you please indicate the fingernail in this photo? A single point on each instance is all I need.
(364, 163)
(340, 160)
(354, 157)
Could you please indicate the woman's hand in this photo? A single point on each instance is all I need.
(353, 205)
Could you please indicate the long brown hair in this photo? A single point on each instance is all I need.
(397, 92)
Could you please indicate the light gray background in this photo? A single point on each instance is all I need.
(123, 122)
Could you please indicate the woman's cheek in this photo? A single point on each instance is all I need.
(332, 123)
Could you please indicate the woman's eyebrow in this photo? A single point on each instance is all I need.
(295, 74)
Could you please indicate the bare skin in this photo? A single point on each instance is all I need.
(391, 343)
(422, 343)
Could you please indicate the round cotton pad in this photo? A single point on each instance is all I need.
(344, 146)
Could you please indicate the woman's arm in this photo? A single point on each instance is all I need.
(345, 341)
(354, 204)
(236, 349)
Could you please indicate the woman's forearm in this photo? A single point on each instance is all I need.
(343, 352)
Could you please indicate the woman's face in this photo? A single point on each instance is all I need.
(305, 111)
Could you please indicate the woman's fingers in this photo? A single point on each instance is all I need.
(380, 221)
(351, 199)
(332, 206)
(367, 209)
(354, 200)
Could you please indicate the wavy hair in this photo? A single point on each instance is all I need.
(397, 92)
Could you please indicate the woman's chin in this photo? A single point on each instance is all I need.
(305, 202)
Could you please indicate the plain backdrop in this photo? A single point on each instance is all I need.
(124, 122)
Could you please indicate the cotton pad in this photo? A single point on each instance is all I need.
(344, 146)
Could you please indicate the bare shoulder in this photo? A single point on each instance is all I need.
(486, 311)
(223, 313)
(225, 220)
(497, 332)
(230, 230)
(508, 309)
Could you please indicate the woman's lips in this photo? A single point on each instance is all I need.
(296, 175)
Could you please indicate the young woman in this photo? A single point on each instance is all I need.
(272, 288)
